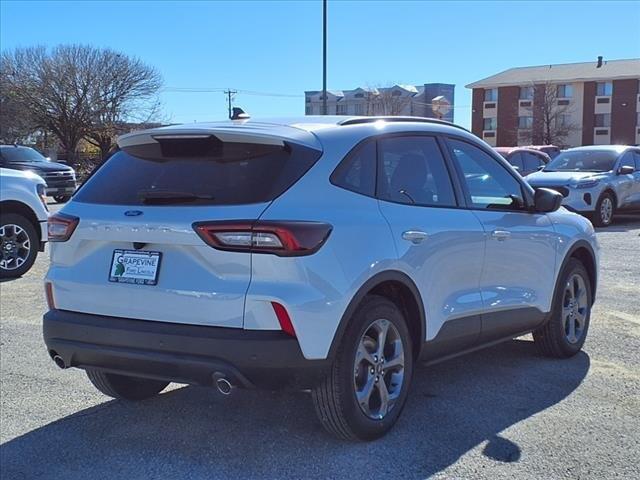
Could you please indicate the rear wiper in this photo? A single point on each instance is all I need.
(168, 197)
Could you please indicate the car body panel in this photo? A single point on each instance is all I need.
(197, 284)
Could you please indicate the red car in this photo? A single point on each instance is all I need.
(550, 150)
(524, 160)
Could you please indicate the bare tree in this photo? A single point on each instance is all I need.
(77, 91)
(16, 123)
(552, 117)
(127, 92)
(386, 101)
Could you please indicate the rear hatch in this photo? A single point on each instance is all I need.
(135, 252)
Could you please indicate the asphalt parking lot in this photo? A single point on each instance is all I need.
(505, 412)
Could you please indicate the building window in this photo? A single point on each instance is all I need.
(490, 123)
(359, 95)
(526, 93)
(491, 95)
(308, 110)
(359, 109)
(604, 89)
(396, 93)
(563, 121)
(565, 90)
(341, 109)
(638, 119)
(603, 120)
(525, 123)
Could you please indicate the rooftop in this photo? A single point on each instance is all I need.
(565, 72)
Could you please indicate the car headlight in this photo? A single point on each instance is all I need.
(42, 193)
(586, 184)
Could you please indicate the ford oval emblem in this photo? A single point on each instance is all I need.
(133, 213)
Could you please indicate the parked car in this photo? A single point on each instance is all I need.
(552, 150)
(23, 221)
(327, 253)
(524, 160)
(596, 180)
(60, 178)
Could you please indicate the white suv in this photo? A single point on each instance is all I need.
(324, 253)
(23, 221)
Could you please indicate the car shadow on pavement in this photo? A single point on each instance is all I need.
(622, 223)
(193, 432)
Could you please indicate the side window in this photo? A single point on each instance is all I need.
(489, 184)
(516, 160)
(531, 162)
(637, 156)
(357, 172)
(412, 170)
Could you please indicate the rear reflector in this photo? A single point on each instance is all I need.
(48, 290)
(60, 227)
(284, 319)
(286, 239)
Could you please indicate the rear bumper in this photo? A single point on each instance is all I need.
(191, 354)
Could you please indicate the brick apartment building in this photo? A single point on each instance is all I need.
(412, 100)
(592, 103)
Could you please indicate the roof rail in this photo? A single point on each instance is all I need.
(362, 120)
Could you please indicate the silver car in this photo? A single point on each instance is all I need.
(598, 180)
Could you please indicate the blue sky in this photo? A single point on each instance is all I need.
(275, 47)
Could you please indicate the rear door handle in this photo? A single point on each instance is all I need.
(414, 236)
(501, 235)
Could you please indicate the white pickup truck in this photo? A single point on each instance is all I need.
(23, 221)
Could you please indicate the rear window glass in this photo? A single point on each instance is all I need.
(230, 174)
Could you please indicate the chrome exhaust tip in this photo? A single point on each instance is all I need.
(224, 386)
(58, 360)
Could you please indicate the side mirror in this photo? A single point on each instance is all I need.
(626, 170)
(547, 200)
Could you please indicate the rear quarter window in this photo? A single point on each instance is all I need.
(230, 174)
(357, 172)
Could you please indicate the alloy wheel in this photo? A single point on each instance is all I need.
(379, 369)
(606, 210)
(15, 246)
(575, 308)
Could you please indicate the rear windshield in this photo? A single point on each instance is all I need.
(584, 161)
(235, 173)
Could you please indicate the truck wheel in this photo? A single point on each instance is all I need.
(18, 245)
(125, 387)
(363, 394)
(566, 330)
(605, 208)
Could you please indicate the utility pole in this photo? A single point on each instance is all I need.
(324, 57)
(230, 93)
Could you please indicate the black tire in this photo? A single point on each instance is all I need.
(62, 198)
(599, 218)
(335, 397)
(125, 387)
(9, 240)
(552, 338)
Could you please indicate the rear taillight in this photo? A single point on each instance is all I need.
(60, 227)
(286, 239)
